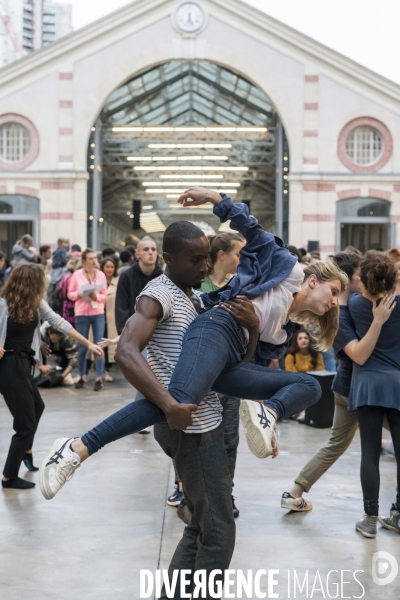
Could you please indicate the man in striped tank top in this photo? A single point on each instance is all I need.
(193, 435)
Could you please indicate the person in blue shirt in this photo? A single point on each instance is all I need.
(375, 387)
(347, 347)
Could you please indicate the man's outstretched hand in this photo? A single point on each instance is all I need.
(179, 416)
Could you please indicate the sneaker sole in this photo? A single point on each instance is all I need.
(365, 534)
(295, 508)
(254, 438)
(46, 491)
(386, 526)
(174, 503)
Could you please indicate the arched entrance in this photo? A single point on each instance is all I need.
(364, 223)
(178, 124)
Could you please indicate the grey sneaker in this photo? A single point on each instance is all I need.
(58, 467)
(259, 425)
(289, 502)
(392, 522)
(367, 526)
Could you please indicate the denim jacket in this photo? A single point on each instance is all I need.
(264, 262)
(45, 313)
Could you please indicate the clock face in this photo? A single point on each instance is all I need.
(189, 17)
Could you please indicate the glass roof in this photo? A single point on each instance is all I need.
(229, 143)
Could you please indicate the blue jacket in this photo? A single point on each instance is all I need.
(264, 262)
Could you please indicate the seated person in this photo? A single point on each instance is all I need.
(301, 356)
(63, 353)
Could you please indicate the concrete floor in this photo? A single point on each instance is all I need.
(112, 520)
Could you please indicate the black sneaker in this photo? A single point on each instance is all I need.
(98, 385)
(235, 509)
(80, 384)
(392, 522)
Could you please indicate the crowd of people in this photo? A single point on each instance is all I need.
(229, 327)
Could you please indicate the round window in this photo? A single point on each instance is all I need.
(364, 145)
(15, 142)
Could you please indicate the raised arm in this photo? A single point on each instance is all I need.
(360, 350)
(226, 210)
(136, 335)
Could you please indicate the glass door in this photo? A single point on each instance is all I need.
(364, 236)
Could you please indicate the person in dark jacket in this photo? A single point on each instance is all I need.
(132, 281)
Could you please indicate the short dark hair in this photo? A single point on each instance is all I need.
(107, 251)
(76, 248)
(378, 273)
(348, 262)
(52, 329)
(125, 256)
(131, 248)
(44, 248)
(177, 233)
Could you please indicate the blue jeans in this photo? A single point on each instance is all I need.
(211, 358)
(82, 325)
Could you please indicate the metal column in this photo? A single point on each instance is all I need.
(279, 180)
(97, 186)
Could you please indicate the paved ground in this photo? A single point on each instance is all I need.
(111, 521)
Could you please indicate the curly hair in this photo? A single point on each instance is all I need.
(378, 273)
(322, 328)
(24, 291)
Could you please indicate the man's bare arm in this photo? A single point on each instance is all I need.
(134, 338)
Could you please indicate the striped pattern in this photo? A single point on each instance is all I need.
(165, 346)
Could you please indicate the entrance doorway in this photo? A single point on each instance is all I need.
(19, 215)
(364, 223)
(180, 124)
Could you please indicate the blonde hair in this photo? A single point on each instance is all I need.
(322, 328)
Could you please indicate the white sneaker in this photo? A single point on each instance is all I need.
(289, 502)
(107, 377)
(58, 467)
(259, 425)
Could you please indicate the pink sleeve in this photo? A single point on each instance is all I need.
(102, 294)
(73, 288)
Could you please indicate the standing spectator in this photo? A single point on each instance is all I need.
(44, 255)
(106, 252)
(89, 312)
(394, 255)
(21, 252)
(109, 268)
(67, 305)
(126, 259)
(58, 270)
(301, 357)
(76, 251)
(133, 280)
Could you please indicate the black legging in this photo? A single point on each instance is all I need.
(370, 419)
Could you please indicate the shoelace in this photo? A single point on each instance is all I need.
(66, 469)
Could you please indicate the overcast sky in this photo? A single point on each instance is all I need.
(365, 30)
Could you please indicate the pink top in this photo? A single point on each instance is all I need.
(85, 308)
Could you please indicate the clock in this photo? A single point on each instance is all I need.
(189, 17)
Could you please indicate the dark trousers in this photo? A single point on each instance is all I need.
(370, 420)
(230, 422)
(25, 404)
(208, 540)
